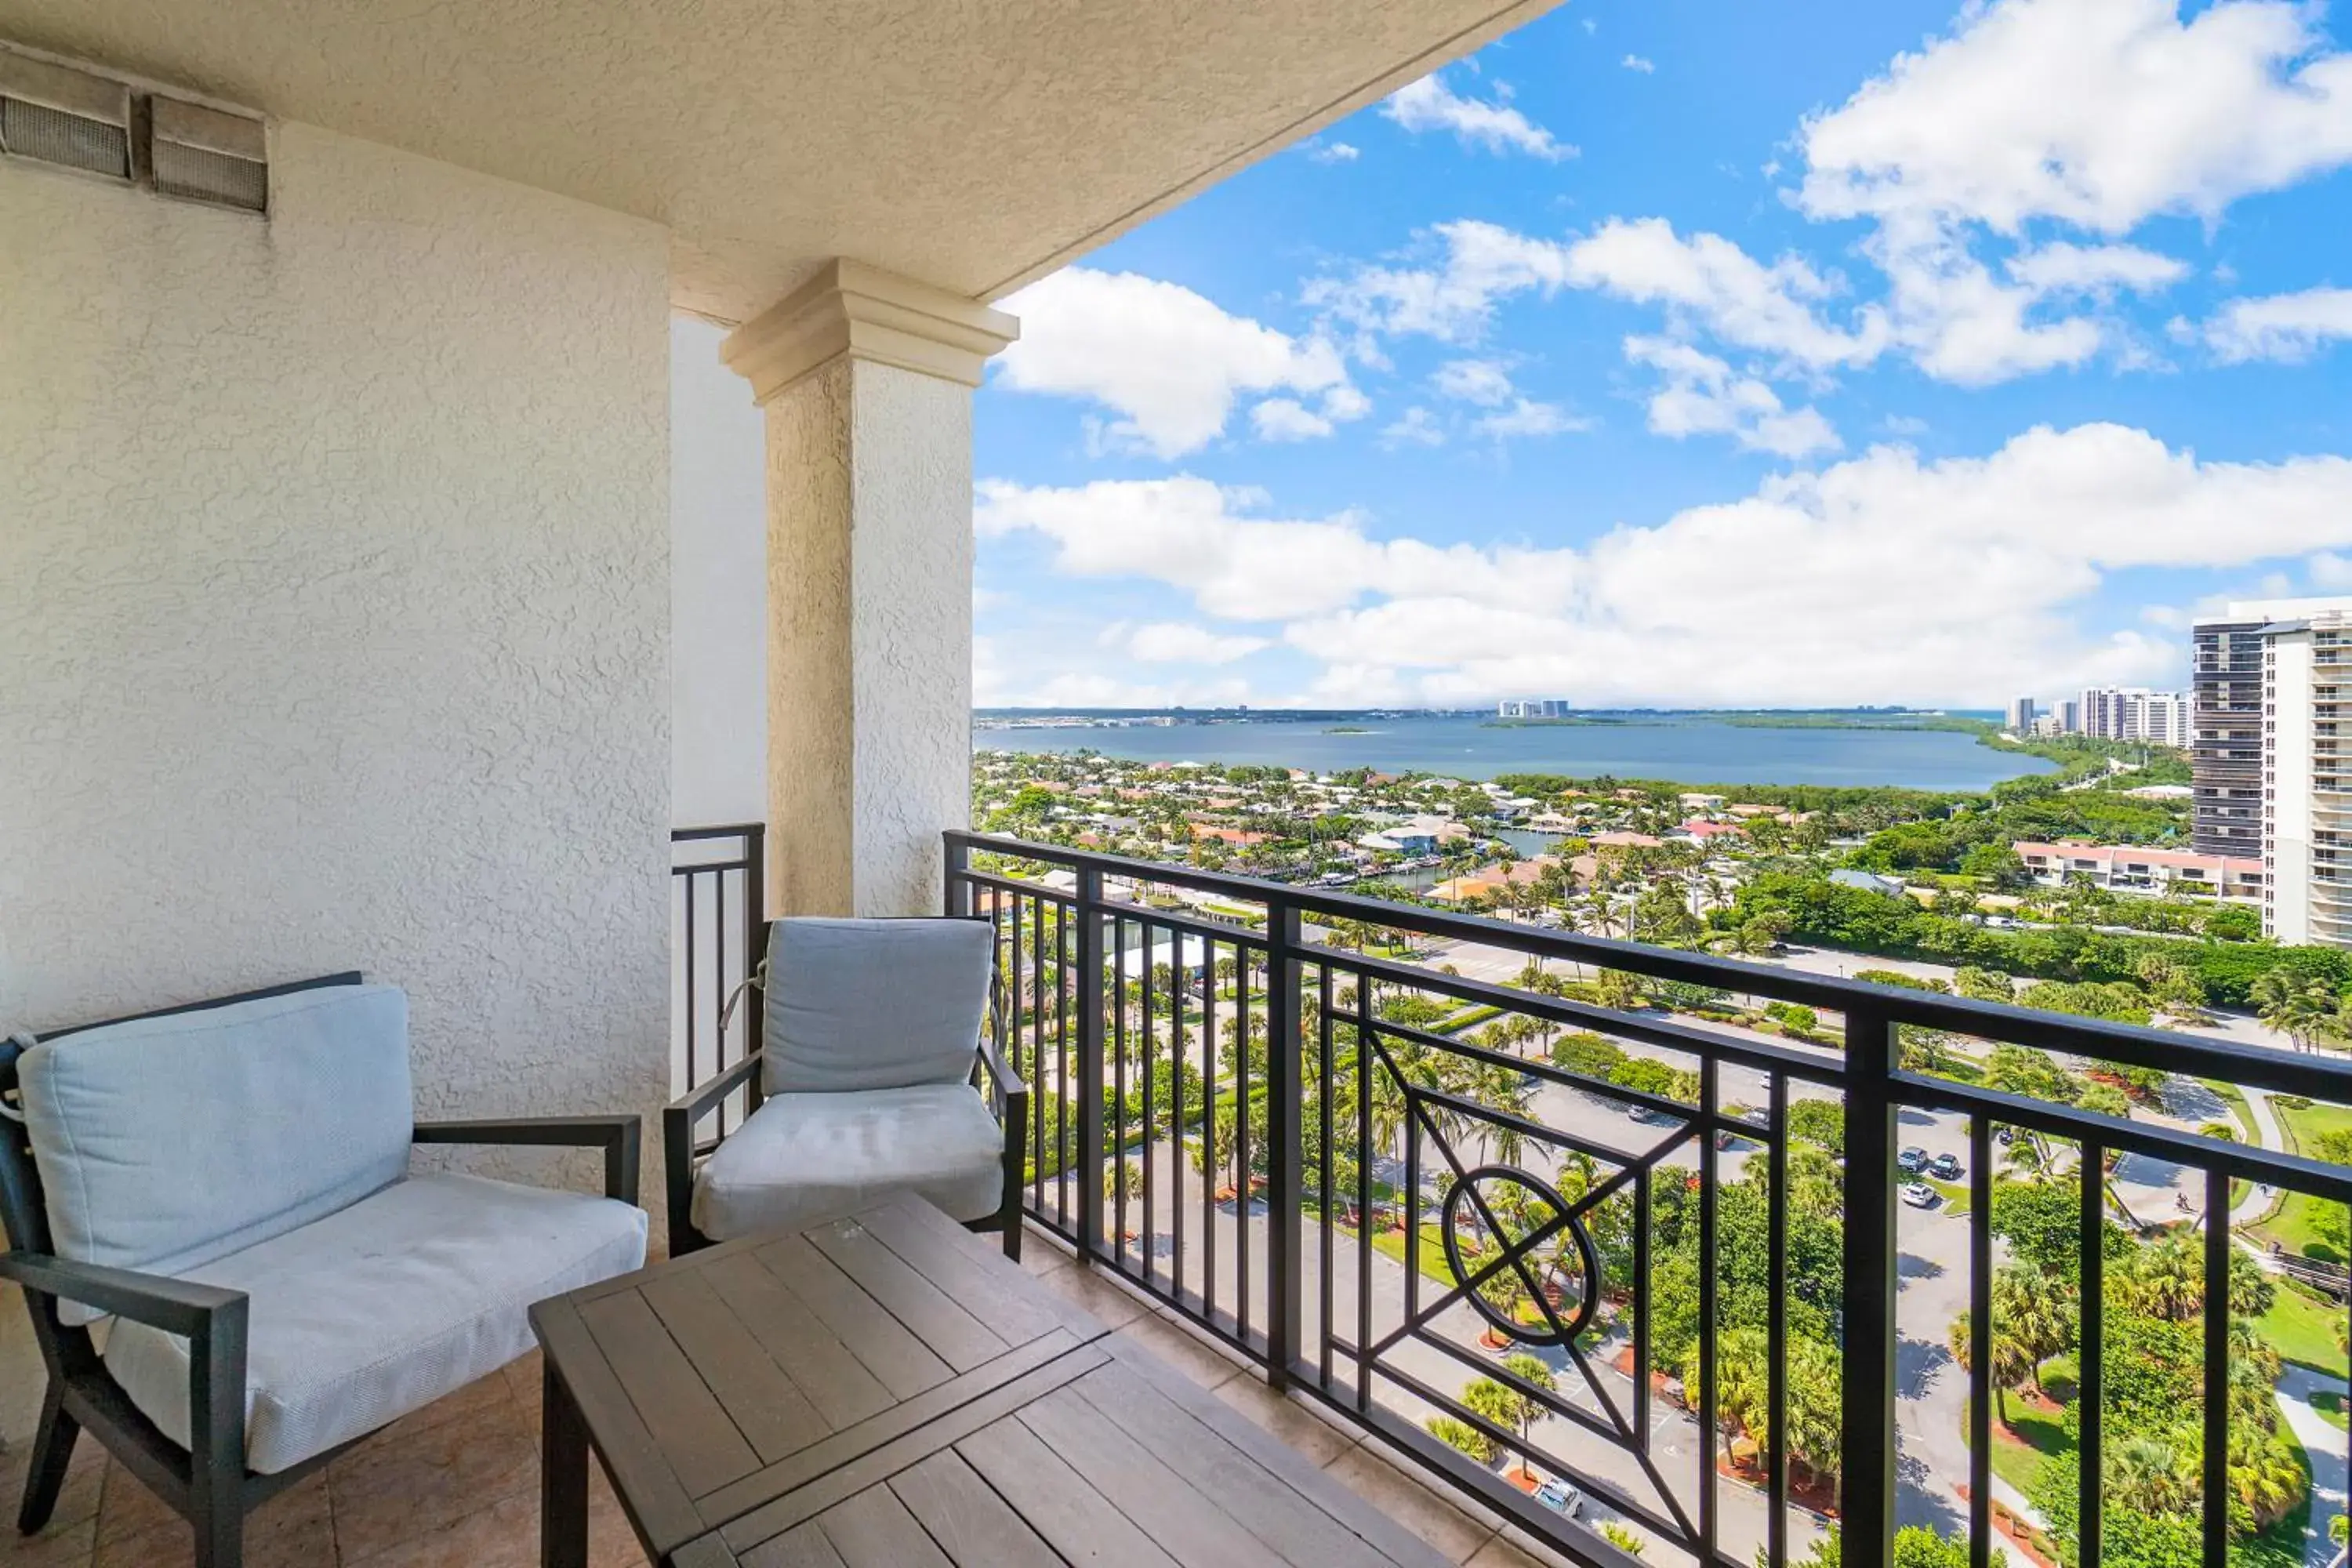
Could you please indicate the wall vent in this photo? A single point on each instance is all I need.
(69, 119)
(200, 154)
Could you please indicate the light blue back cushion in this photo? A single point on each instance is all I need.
(861, 1004)
(164, 1143)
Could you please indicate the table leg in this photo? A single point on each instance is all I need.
(563, 1478)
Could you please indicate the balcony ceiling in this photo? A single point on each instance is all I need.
(974, 144)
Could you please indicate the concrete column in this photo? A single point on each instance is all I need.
(866, 379)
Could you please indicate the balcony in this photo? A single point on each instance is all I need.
(1529, 1200)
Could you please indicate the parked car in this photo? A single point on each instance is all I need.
(1919, 1195)
(1912, 1161)
(2004, 1136)
(1560, 1497)
(1945, 1167)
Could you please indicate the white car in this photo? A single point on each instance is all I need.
(1919, 1195)
(1560, 1497)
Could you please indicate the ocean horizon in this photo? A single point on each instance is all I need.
(1694, 750)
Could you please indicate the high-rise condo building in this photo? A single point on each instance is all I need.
(2273, 684)
(2019, 718)
(2070, 716)
(2135, 714)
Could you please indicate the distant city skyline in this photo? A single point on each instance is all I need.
(1840, 353)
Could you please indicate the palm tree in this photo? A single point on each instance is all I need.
(2265, 1476)
(2165, 1278)
(1535, 1374)
(2010, 1363)
(2292, 1004)
(2147, 1475)
(2036, 1308)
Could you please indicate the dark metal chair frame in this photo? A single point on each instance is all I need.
(1008, 1098)
(206, 1483)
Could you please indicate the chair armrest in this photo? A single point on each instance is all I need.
(699, 1102)
(174, 1306)
(213, 1321)
(678, 1144)
(1008, 1095)
(618, 1136)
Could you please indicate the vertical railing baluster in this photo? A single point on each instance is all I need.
(2089, 1396)
(1980, 1342)
(1323, 1173)
(1150, 1123)
(1641, 1288)
(1776, 1330)
(1285, 1092)
(1364, 1219)
(1090, 1061)
(1239, 1029)
(2217, 1369)
(1176, 1201)
(1710, 1327)
(1867, 1412)
(1210, 1166)
(1120, 1049)
(755, 941)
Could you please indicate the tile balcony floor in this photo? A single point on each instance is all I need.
(456, 1485)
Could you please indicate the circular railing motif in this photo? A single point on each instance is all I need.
(1489, 1184)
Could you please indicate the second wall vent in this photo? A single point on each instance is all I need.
(53, 114)
(201, 155)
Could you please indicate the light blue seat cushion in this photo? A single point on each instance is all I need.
(801, 1158)
(384, 1307)
(874, 1003)
(163, 1143)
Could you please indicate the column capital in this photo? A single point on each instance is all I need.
(849, 308)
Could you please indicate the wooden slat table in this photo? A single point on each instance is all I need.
(887, 1390)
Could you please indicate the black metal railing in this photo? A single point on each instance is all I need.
(718, 925)
(1232, 1108)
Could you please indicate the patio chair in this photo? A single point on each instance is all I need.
(878, 1035)
(228, 1182)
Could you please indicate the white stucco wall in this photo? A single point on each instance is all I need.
(719, 586)
(334, 610)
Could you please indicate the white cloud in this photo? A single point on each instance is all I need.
(1322, 151)
(2280, 326)
(1168, 360)
(1480, 381)
(1883, 578)
(1526, 416)
(1344, 404)
(1703, 396)
(1287, 419)
(1184, 641)
(1205, 538)
(1903, 425)
(1712, 282)
(1453, 299)
(1415, 427)
(1496, 127)
(2329, 571)
(1093, 688)
(2063, 269)
(1636, 63)
(2098, 113)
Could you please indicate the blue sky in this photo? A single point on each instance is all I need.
(1705, 354)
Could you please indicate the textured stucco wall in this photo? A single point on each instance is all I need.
(869, 550)
(334, 611)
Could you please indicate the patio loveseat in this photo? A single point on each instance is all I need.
(229, 1185)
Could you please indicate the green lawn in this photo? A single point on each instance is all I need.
(2243, 1116)
(2032, 1436)
(2292, 1224)
(2305, 1332)
(2331, 1409)
(1956, 1197)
